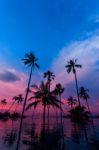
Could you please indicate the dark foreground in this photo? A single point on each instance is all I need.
(50, 136)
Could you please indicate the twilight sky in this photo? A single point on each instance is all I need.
(55, 30)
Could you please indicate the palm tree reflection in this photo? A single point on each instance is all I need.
(10, 137)
(46, 140)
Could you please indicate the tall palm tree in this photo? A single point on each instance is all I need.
(50, 76)
(31, 61)
(3, 103)
(58, 91)
(43, 96)
(19, 98)
(83, 93)
(71, 101)
(71, 67)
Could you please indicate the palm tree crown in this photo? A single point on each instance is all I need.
(58, 89)
(49, 75)
(83, 93)
(72, 65)
(3, 102)
(30, 60)
(71, 101)
(42, 95)
(19, 98)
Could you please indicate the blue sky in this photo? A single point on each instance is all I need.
(55, 30)
(44, 26)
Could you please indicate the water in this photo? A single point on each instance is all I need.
(55, 136)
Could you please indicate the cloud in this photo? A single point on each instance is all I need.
(9, 76)
(12, 86)
(87, 53)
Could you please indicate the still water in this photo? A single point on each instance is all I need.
(52, 136)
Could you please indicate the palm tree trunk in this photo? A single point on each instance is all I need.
(56, 116)
(16, 108)
(60, 108)
(88, 105)
(48, 115)
(77, 89)
(44, 115)
(11, 106)
(26, 96)
(2, 107)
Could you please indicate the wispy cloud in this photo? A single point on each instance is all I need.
(87, 53)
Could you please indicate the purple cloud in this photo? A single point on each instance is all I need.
(9, 76)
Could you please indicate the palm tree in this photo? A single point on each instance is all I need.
(50, 76)
(71, 67)
(83, 93)
(58, 91)
(71, 101)
(43, 96)
(31, 61)
(19, 98)
(3, 103)
(15, 99)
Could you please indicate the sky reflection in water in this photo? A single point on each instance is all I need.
(36, 136)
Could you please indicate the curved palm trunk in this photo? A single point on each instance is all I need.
(11, 106)
(77, 89)
(26, 96)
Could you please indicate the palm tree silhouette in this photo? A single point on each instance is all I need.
(43, 96)
(58, 91)
(50, 76)
(71, 101)
(31, 61)
(3, 103)
(83, 93)
(19, 98)
(15, 99)
(71, 67)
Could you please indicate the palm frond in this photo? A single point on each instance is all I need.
(34, 104)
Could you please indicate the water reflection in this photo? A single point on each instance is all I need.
(46, 140)
(54, 136)
(10, 136)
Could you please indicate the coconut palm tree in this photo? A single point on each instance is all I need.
(16, 99)
(31, 61)
(83, 93)
(71, 101)
(3, 103)
(71, 67)
(58, 92)
(43, 96)
(49, 76)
